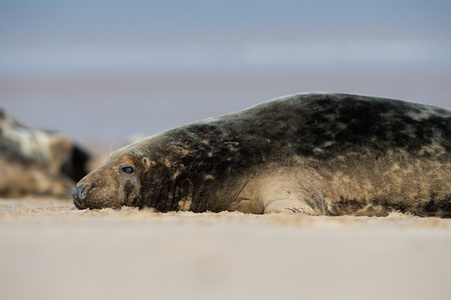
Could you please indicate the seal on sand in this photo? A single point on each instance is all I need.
(21, 176)
(50, 149)
(315, 154)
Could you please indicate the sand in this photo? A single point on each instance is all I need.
(50, 250)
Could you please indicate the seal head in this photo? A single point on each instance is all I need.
(114, 184)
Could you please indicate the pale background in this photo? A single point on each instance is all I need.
(101, 71)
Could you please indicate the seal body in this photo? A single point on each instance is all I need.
(49, 149)
(315, 154)
(21, 176)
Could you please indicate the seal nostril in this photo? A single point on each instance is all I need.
(78, 192)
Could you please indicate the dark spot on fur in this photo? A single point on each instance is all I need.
(436, 207)
(347, 206)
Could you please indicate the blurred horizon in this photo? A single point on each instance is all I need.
(101, 71)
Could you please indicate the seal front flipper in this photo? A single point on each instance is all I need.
(288, 206)
(285, 193)
(277, 191)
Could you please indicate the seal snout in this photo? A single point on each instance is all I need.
(79, 194)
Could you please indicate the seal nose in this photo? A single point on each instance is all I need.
(79, 195)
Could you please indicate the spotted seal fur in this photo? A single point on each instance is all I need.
(313, 153)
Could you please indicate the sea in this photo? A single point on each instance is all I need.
(102, 71)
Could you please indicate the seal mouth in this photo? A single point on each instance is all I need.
(78, 205)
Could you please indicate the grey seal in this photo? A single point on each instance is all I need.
(50, 149)
(311, 153)
(21, 176)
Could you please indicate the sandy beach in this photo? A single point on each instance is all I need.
(101, 72)
(50, 250)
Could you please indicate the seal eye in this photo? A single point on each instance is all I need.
(128, 170)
